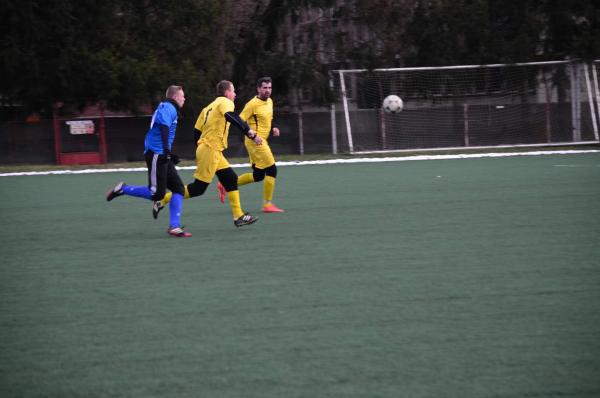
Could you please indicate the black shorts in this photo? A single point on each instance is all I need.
(162, 175)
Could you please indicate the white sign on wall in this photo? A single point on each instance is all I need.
(81, 126)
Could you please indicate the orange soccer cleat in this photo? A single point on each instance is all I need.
(221, 191)
(271, 208)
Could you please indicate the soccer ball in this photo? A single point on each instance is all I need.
(392, 104)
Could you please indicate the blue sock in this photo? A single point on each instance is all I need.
(175, 210)
(139, 192)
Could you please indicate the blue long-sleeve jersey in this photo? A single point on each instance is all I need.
(166, 115)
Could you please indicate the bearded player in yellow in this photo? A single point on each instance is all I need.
(258, 113)
(214, 122)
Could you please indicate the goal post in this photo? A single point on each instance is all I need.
(466, 106)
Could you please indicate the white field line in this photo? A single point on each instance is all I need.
(313, 162)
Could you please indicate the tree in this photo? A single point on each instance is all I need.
(122, 52)
(445, 32)
(284, 47)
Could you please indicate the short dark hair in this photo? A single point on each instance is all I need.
(223, 86)
(264, 79)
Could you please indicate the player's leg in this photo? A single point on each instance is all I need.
(191, 190)
(145, 192)
(257, 175)
(202, 173)
(228, 178)
(207, 160)
(269, 189)
(248, 178)
(175, 184)
(265, 165)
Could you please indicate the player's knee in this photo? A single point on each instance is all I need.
(258, 174)
(159, 193)
(271, 171)
(178, 188)
(196, 188)
(228, 179)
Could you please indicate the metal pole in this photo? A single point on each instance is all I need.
(588, 87)
(57, 133)
(547, 109)
(574, 99)
(382, 127)
(334, 149)
(346, 113)
(596, 91)
(300, 132)
(453, 67)
(102, 136)
(466, 119)
(577, 103)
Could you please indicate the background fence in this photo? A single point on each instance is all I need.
(22, 142)
(547, 103)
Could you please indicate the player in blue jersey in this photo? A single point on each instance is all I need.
(162, 174)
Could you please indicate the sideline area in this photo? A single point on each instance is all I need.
(326, 161)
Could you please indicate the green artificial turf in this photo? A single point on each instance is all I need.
(442, 278)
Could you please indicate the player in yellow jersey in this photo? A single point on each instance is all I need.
(258, 113)
(214, 122)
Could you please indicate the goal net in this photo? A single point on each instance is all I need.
(546, 103)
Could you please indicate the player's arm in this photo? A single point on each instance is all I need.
(200, 122)
(274, 128)
(164, 136)
(234, 119)
(197, 134)
(247, 112)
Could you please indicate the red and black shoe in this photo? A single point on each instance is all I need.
(178, 232)
(116, 191)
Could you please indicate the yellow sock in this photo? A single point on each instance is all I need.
(234, 202)
(165, 201)
(268, 189)
(246, 178)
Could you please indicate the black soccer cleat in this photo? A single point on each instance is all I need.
(245, 219)
(116, 191)
(157, 206)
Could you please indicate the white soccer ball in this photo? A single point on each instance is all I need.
(392, 104)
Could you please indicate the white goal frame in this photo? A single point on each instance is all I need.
(582, 88)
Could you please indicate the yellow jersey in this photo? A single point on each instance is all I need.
(200, 121)
(258, 113)
(212, 123)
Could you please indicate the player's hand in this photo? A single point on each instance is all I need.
(255, 137)
(275, 132)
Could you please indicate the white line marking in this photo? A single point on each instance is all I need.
(576, 165)
(313, 162)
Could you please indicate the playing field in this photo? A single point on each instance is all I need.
(440, 278)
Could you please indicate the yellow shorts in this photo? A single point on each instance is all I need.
(260, 155)
(208, 162)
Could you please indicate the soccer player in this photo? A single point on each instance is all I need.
(162, 173)
(214, 122)
(258, 113)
